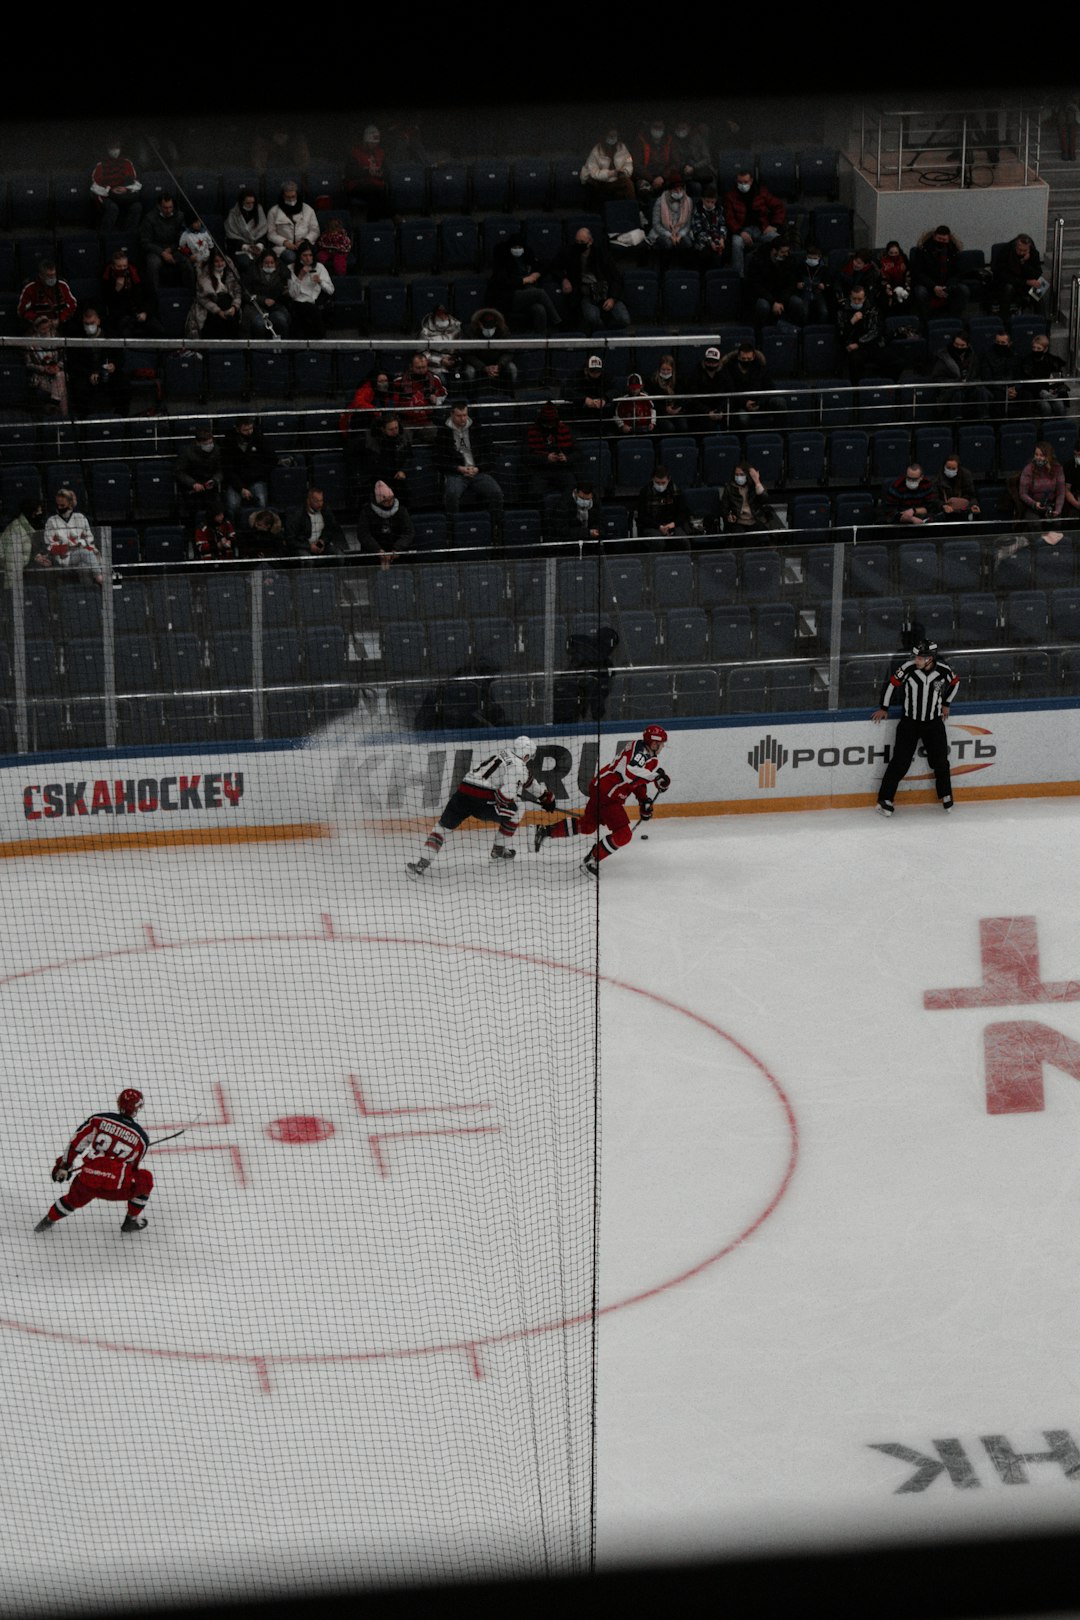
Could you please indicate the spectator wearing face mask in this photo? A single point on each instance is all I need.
(770, 284)
(663, 385)
(99, 384)
(291, 224)
(265, 311)
(491, 365)
(708, 230)
(745, 506)
(514, 287)
(199, 475)
(690, 154)
(1019, 283)
(577, 515)
(589, 391)
(662, 513)
(311, 293)
(245, 228)
(910, 499)
(1040, 379)
(858, 325)
(651, 152)
(384, 527)
(634, 411)
(551, 452)
(672, 214)
(746, 379)
(46, 294)
(439, 326)
(1001, 365)
(116, 190)
(68, 540)
(813, 283)
(608, 171)
(388, 456)
(704, 394)
(752, 214)
(373, 395)
(859, 271)
(954, 491)
(1041, 489)
(46, 373)
(895, 273)
(956, 362)
(591, 283)
(936, 286)
(334, 246)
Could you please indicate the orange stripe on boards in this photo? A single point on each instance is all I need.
(149, 838)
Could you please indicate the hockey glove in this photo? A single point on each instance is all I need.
(663, 781)
(547, 800)
(646, 809)
(60, 1171)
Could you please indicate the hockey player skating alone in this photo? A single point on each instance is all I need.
(110, 1147)
(633, 771)
(491, 791)
(928, 688)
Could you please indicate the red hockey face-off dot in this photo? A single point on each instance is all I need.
(298, 1128)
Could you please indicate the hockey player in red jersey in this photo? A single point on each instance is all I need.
(110, 1147)
(630, 773)
(491, 791)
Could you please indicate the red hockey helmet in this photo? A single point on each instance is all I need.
(655, 736)
(129, 1101)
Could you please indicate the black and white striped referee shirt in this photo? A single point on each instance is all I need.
(926, 691)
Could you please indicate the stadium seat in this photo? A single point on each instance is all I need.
(818, 171)
(818, 565)
(918, 567)
(717, 579)
(760, 574)
(780, 346)
(1027, 616)
(806, 457)
(868, 570)
(775, 630)
(819, 351)
(1016, 442)
(228, 602)
(164, 543)
(695, 693)
(673, 581)
(459, 244)
(1013, 573)
(810, 512)
(494, 642)
(171, 606)
(989, 677)
(407, 187)
(449, 188)
(643, 694)
(418, 246)
(961, 565)
(732, 632)
(686, 635)
(723, 295)
(883, 624)
(792, 690)
(135, 665)
(376, 249)
(932, 445)
(746, 690)
(1055, 566)
(680, 296)
(388, 304)
(848, 452)
(531, 183)
(891, 453)
(765, 452)
(491, 186)
(977, 619)
(448, 646)
(937, 616)
(721, 453)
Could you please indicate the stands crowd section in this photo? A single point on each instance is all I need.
(398, 417)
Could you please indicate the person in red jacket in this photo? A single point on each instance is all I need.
(630, 773)
(108, 1147)
(48, 295)
(752, 214)
(550, 448)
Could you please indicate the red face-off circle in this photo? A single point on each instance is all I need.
(299, 1128)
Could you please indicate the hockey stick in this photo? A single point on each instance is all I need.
(159, 1139)
(653, 800)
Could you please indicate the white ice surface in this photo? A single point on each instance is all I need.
(814, 1237)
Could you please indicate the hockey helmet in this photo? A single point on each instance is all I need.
(523, 747)
(654, 735)
(129, 1101)
(925, 649)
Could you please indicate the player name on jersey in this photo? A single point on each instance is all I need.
(143, 796)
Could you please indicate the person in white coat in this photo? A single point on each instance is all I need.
(291, 223)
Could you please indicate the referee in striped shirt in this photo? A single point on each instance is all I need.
(928, 689)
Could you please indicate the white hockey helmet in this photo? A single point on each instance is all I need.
(523, 747)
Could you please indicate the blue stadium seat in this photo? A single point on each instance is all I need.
(680, 296)
(891, 453)
(634, 459)
(278, 611)
(21, 482)
(418, 245)
(686, 635)
(765, 452)
(226, 374)
(449, 188)
(918, 567)
(732, 632)
(403, 645)
(1013, 573)
(976, 445)
(31, 199)
(883, 624)
(760, 574)
(868, 570)
(673, 581)
(494, 642)
(407, 187)
(134, 664)
(376, 248)
(184, 376)
(848, 452)
(721, 453)
(830, 227)
(639, 637)
(491, 186)
(1061, 432)
(171, 607)
(792, 690)
(1016, 442)
(806, 457)
(531, 180)
(182, 662)
(717, 580)
(679, 454)
(80, 611)
(1065, 614)
(543, 237)
(810, 512)
(723, 295)
(777, 171)
(746, 690)
(780, 346)
(437, 591)
(641, 293)
(394, 595)
(731, 161)
(819, 351)
(431, 531)
(989, 677)
(818, 565)
(622, 584)
(459, 243)
(932, 445)
(1055, 566)
(818, 171)
(695, 694)
(643, 694)
(977, 619)
(961, 564)
(937, 615)
(164, 543)
(775, 630)
(448, 645)
(1027, 616)
(388, 304)
(325, 649)
(471, 529)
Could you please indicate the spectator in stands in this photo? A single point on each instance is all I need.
(707, 390)
(291, 224)
(491, 365)
(708, 230)
(1042, 486)
(589, 391)
(116, 190)
(127, 305)
(591, 284)
(373, 395)
(514, 287)
(746, 379)
(954, 491)
(46, 294)
(936, 286)
(312, 530)
(438, 327)
(608, 171)
(577, 515)
(651, 153)
(1018, 280)
(264, 536)
(634, 412)
(551, 453)
(417, 393)
(311, 293)
(672, 217)
(215, 539)
(461, 450)
(670, 417)
(365, 176)
(245, 229)
(1071, 470)
(21, 538)
(334, 246)
(957, 362)
(45, 371)
(752, 214)
(199, 472)
(859, 271)
(196, 243)
(1040, 379)
(215, 310)
(662, 510)
(68, 540)
(383, 525)
(858, 326)
(770, 282)
(388, 456)
(159, 235)
(265, 311)
(813, 284)
(246, 465)
(99, 384)
(690, 154)
(909, 499)
(1002, 369)
(895, 282)
(744, 504)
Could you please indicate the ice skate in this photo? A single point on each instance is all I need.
(417, 868)
(501, 853)
(133, 1223)
(45, 1225)
(542, 832)
(591, 865)
(947, 802)
(885, 807)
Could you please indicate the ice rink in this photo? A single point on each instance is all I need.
(839, 1234)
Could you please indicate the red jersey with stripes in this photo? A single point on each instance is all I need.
(631, 772)
(108, 1136)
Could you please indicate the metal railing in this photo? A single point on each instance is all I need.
(963, 147)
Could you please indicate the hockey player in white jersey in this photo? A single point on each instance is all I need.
(491, 791)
